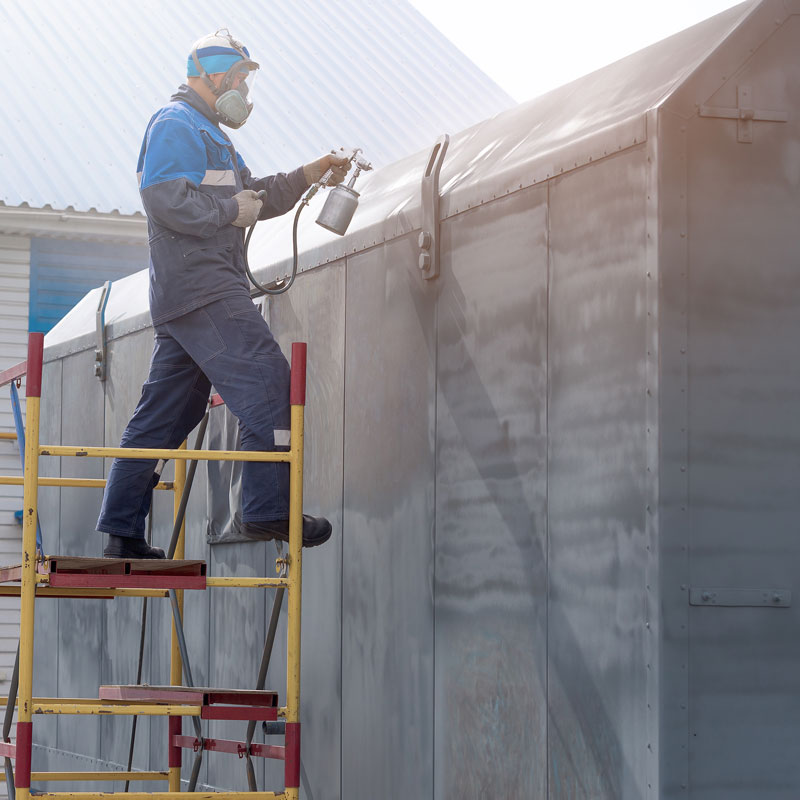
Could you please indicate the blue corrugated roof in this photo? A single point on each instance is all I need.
(82, 78)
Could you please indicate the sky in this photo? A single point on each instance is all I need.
(529, 47)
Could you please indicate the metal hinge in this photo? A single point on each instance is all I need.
(757, 598)
(745, 114)
(429, 235)
(100, 319)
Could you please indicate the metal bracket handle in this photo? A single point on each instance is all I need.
(744, 113)
(429, 235)
(100, 321)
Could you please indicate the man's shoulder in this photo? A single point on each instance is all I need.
(179, 112)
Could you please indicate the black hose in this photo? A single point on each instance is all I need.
(285, 288)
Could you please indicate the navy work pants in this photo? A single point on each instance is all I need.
(226, 343)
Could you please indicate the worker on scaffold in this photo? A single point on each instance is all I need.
(198, 195)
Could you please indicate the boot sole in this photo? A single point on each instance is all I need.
(268, 537)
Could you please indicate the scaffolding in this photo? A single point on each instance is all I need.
(41, 576)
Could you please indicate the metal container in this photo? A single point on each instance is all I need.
(340, 205)
(563, 473)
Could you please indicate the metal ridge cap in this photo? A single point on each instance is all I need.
(552, 163)
(559, 160)
(128, 325)
(87, 340)
(68, 347)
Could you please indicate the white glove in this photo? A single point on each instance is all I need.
(316, 169)
(250, 206)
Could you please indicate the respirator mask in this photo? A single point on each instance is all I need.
(233, 104)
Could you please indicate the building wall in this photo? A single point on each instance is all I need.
(744, 436)
(63, 271)
(14, 279)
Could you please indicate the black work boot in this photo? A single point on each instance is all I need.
(130, 547)
(316, 530)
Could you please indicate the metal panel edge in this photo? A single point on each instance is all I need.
(652, 567)
(673, 487)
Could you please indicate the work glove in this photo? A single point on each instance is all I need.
(316, 169)
(250, 206)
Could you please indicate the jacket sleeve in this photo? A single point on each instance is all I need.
(173, 168)
(283, 190)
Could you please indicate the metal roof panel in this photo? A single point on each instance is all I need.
(88, 76)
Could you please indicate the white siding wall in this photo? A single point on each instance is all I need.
(14, 278)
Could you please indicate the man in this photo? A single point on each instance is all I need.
(199, 196)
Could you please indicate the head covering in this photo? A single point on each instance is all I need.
(215, 54)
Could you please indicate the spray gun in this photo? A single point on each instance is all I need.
(342, 200)
(335, 216)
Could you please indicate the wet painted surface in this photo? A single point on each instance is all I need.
(128, 360)
(387, 611)
(316, 314)
(236, 634)
(597, 481)
(81, 622)
(744, 434)
(491, 488)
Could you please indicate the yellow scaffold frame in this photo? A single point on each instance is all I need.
(33, 585)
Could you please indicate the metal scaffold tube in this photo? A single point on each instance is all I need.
(33, 390)
(292, 739)
(178, 700)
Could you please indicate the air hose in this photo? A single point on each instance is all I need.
(335, 216)
(285, 287)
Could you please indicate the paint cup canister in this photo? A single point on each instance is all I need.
(338, 210)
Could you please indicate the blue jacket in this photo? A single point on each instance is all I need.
(188, 174)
